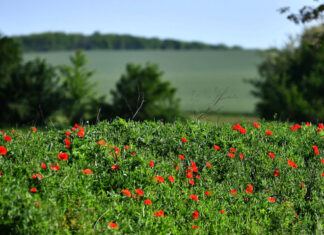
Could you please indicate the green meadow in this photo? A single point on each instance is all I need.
(153, 178)
(201, 77)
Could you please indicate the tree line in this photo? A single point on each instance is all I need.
(55, 41)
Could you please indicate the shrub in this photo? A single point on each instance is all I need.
(141, 94)
(292, 82)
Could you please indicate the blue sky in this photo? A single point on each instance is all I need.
(249, 23)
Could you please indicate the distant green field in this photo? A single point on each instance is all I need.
(199, 76)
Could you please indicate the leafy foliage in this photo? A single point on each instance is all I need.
(245, 196)
(292, 81)
(305, 14)
(142, 94)
(80, 100)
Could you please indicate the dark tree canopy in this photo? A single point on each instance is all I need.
(306, 13)
(292, 84)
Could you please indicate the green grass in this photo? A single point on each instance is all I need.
(200, 76)
(73, 202)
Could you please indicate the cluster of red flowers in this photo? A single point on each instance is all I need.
(239, 128)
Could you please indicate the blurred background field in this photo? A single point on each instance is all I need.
(200, 76)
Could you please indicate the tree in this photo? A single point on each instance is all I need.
(141, 94)
(81, 101)
(292, 81)
(10, 58)
(34, 93)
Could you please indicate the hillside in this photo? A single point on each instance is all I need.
(155, 178)
(58, 41)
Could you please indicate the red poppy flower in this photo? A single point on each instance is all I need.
(194, 197)
(194, 226)
(148, 202)
(208, 164)
(241, 156)
(302, 184)
(113, 225)
(3, 133)
(43, 165)
(272, 199)
(181, 157)
(177, 167)
(233, 191)
(319, 130)
(3, 150)
(7, 138)
(189, 175)
(80, 134)
(67, 133)
(216, 147)
(133, 154)
(87, 171)
(242, 131)
(320, 125)
(0, 172)
(151, 163)
(195, 215)
(297, 126)
(171, 179)
(276, 173)
(292, 164)
(222, 211)
(159, 213)
(256, 125)
(54, 167)
(67, 141)
(63, 156)
(271, 155)
(159, 179)
(292, 128)
(115, 168)
(249, 190)
(308, 124)
(35, 176)
(323, 174)
(231, 155)
(233, 150)
(193, 167)
(34, 129)
(127, 192)
(101, 142)
(191, 182)
(208, 192)
(140, 192)
(184, 139)
(33, 190)
(269, 132)
(322, 160)
(236, 127)
(73, 129)
(314, 147)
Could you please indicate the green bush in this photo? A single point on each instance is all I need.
(141, 94)
(292, 84)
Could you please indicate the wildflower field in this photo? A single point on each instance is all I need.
(154, 178)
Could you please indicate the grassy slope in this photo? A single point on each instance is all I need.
(73, 201)
(199, 76)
